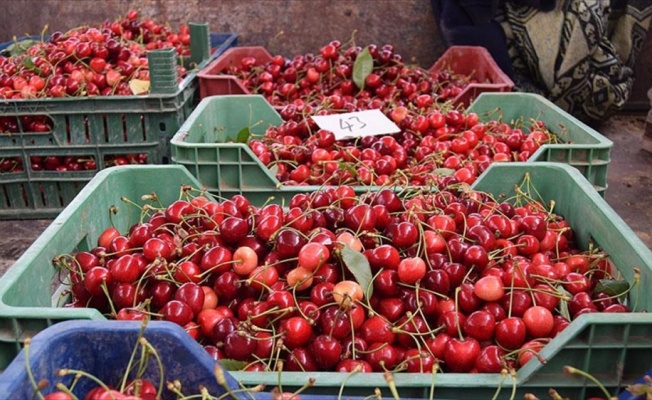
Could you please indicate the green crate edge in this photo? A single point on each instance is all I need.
(47, 193)
(19, 322)
(260, 177)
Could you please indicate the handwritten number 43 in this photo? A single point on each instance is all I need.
(351, 123)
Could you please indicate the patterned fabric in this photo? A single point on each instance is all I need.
(580, 55)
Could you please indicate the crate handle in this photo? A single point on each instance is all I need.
(200, 43)
(163, 71)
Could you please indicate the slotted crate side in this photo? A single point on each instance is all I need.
(99, 126)
(603, 342)
(473, 62)
(581, 146)
(118, 126)
(202, 144)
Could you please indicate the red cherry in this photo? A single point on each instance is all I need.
(460, 355)
(510, 333)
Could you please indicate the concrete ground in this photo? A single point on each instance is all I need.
(629, 192)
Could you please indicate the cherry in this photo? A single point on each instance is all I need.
(296, 332)
(313, 255)
(327, 351)
(461, 355)
(107, 236)
(233, 230)
(288, 243)
(95, 279)
(302, 360)
(384, 256)
(217, 260)
(538, 321)
(510, 333)
(377, 329)
(411, 270)
(349, 365)
(452, 321)
(479, 325)
(381, 356)
(346, 293)
(125, 269)
(177, 312)
(191, 294)
(239, 345)
(245, 260)
(404, 234)
(490, 360)
(489, 288)
(386, 283)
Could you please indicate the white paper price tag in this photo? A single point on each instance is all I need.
(356, 124)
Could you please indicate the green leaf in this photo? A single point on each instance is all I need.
(232, 365)
(28, 63)
(19, 48)
(362, 67)
(611, 287)
(243, 135)
(444, 171)
(348, 167)
(563, 304)
(359, 266)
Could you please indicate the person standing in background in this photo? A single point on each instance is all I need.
(580, 54)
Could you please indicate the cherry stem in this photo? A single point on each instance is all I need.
(435, 368)
(356, 370)
(61, 387)
(30, 375)
(555, 395)
(637, 280)
(512, 374)
(132, 357)
(67, 371)
(389, 378)
(574, 371)
(457, 317)
(221, 380)
(503, 376)
(309, 384)
(279, 368)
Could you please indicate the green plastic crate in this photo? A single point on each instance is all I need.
(584, 148)
(617, 348)
(99, 127)
(204, 142)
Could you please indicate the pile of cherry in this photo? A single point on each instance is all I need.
(68, 163)
(435, 140)
(335, 70)
(432, 144)
(342, 282)
(90, 60)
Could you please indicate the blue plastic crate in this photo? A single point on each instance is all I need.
(103, 348)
